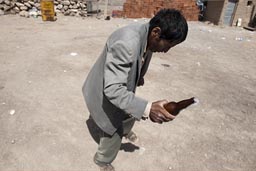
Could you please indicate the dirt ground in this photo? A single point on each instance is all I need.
(43, 66)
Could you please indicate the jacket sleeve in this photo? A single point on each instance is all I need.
(118, 64)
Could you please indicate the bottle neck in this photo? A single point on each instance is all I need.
(185, 103)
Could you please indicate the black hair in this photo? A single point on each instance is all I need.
(172, 23)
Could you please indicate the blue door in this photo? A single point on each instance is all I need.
(230, 9)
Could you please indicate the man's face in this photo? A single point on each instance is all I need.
(157, 44)
(161, 45)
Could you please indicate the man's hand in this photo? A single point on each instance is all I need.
(141, 82)
(158, 113)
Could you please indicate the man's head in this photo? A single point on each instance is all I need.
(166, 29)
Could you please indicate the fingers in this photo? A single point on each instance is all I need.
(156, 118)
(159, 114)
(166, 114)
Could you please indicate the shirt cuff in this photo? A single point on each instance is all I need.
(147, 110)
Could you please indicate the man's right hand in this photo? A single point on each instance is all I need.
(158, 113)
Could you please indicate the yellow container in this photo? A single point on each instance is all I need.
(47, 9)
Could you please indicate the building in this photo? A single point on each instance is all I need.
(230, 12)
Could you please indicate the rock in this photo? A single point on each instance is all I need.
(12, 112)
(83, 5)
(67, 12)
(12, 11)
(73, 54)
(31, 3)
(65, 2)
(83, 13)
(72, 14)
(1, 12)
(37, 5)
(16, 9)
(19, 4)
(65, 8)
(1, 1)
(7, 2)
(24, 8)
(27, 5)
(24, 14)
(60, 6)
(72, 2)
(74, 10)
(75, 6)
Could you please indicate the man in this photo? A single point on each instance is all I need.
(109, 89)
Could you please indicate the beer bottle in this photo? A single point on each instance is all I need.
(175, 107)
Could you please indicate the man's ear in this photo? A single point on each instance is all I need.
(156, 32)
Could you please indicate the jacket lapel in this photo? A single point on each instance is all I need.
(143, 36)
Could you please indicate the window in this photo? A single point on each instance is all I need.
(249, 3)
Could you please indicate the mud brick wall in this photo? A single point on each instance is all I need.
(147, 8)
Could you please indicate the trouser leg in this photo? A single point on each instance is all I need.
(109, 145)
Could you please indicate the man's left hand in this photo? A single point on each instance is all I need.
(141, 82)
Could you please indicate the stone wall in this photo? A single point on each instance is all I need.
(28, 8)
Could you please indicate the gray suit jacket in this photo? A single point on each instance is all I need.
(109, 89)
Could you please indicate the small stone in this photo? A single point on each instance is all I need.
(27, 5)
(65, 8)
(65, 2)
(73, 54)
(60, 6)
(165, 65)
(13, 141)
(31, 3)
(1, 1)
(75, 6)
(74, 10)
(7, 2)
(19, 4)
(65, 71)
(16, 9)
(72, 14)
(66, 13)
(82, 5)
(3, 103)
(1, 12)
(37, 5)
(170, 168)
(12, 112)
(24, 8)
(24, 14)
